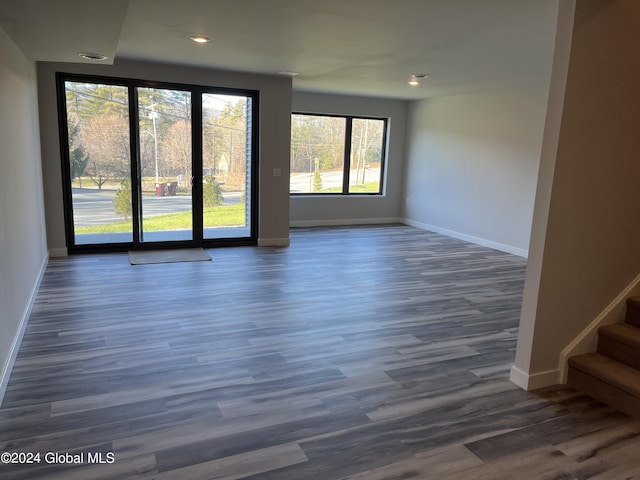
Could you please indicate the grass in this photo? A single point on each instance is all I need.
(222, 216)
(369, 187)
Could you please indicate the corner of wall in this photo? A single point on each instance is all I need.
(520, 252)
(539, 227)
(534, 381)
(58, 252)
(274, 242)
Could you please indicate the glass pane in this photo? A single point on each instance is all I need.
(366, 155)
(317, 154)
(226, 165)
(164, 119)
(100, 162)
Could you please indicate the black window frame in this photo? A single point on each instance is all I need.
(346, 172)
(196, 91)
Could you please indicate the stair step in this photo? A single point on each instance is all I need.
(608, 380)
(620, 342)
(633, 311)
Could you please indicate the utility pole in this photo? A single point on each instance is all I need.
(153, 115)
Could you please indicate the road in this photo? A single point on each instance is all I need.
(95, 207)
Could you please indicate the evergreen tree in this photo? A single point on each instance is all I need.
(78, 157)
(211, 192)
(122, 199)
(317, 181)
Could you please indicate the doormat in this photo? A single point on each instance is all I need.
(147, 257)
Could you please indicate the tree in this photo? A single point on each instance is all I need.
(176, 147)
(211, 192)
(317, 181)
(225, 140)
(234, 114)
(87, 100)
(78, 157)
(365, 147)
(165, 126)
(317, 137)
(122, 199)
(106, 137)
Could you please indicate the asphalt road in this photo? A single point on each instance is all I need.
(95, 207)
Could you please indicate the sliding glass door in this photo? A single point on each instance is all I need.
(165, 182)
(98, 179)
(156, 165)
(226, 165)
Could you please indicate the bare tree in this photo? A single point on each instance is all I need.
(106, 140)
(176, 147)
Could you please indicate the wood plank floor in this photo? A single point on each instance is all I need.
(356, 353)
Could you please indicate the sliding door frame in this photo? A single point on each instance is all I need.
(196, 92)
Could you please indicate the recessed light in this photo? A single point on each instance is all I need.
(94, 57)
(415, 78)
(200, 39)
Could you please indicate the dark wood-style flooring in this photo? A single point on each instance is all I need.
(363, 353)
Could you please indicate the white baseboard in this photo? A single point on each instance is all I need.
(587, 340)
(518, 377)
(58, 252)
(273, 242)
(343, 222)
(521, 252)
(17, 340)
(534, 381)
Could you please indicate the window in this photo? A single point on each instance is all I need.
(149, 163)
(337, 155)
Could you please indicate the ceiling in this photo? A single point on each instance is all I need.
(362, 47)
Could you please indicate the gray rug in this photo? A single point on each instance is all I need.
(168, 256)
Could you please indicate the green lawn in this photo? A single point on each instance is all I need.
(222, 216)
(369, 187)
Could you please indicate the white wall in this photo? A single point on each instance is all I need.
(23, 253)
(274, 144)
(586, 236)
(341, 209)
(472, 165)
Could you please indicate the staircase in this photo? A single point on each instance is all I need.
(612, 373)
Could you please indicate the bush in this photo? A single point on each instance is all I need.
(211, 192)
(122, 200)
(317, 182)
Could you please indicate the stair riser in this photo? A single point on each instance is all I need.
(601, 390)
(633, 313)
(619, 351)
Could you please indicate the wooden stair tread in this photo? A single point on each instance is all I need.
(614, 373)
(623, 333)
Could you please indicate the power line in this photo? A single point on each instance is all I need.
(147, 110)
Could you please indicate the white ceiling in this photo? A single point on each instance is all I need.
(364, 47)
